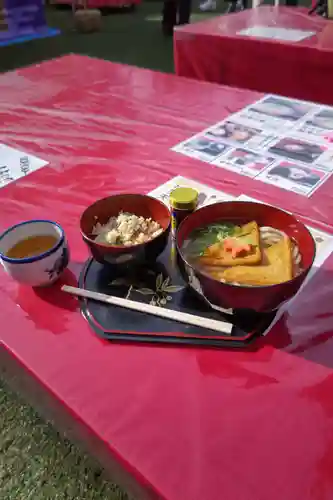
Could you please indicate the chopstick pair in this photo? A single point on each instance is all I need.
(189, 319)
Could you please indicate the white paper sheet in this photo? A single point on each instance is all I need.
(275, 33)
(276, 140)
(207, 195)
(15, 164)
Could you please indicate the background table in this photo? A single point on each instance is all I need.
(213, 50)
(172, 423)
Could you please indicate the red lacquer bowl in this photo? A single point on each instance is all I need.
(260, 299)
(137, 204)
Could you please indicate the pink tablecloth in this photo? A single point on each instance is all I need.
(185, 424)
(214, 51)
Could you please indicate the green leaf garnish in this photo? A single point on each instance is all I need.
(203, 238)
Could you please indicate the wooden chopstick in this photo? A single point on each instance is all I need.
(190, 319)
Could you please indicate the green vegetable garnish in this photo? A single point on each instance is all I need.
(203, 238)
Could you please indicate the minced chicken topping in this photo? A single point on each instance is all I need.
(126, 229)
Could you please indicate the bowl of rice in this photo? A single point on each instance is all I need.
(126, 229)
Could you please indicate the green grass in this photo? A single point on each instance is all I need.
(36, 464)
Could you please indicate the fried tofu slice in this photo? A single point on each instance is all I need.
(276, 267)
(247, 240)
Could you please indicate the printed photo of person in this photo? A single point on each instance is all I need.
(279, 107)
(203, 147)
(296, 149)
(293, 177)
(233, 132)
(244, 162)
(246, 158)
(322, 120)
(295, 173)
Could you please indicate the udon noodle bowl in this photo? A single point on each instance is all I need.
(246, 255)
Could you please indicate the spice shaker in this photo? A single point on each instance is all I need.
(183, 201)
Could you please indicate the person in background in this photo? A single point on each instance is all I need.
(175, 12)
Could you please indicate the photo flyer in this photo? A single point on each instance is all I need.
(280, 141)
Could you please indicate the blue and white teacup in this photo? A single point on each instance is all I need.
(39, 270)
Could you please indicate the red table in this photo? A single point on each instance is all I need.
(172, 423)
(213, 50)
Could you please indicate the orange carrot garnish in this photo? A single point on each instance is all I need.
(236, 248)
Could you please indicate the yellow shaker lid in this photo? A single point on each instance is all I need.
(184, 198)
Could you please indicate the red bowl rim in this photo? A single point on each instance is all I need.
(248, 286)
(124, 247)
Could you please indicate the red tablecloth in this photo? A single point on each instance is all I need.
(213, 50)
(187, 424)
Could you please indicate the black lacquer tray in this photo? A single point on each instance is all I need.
(161, 284)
